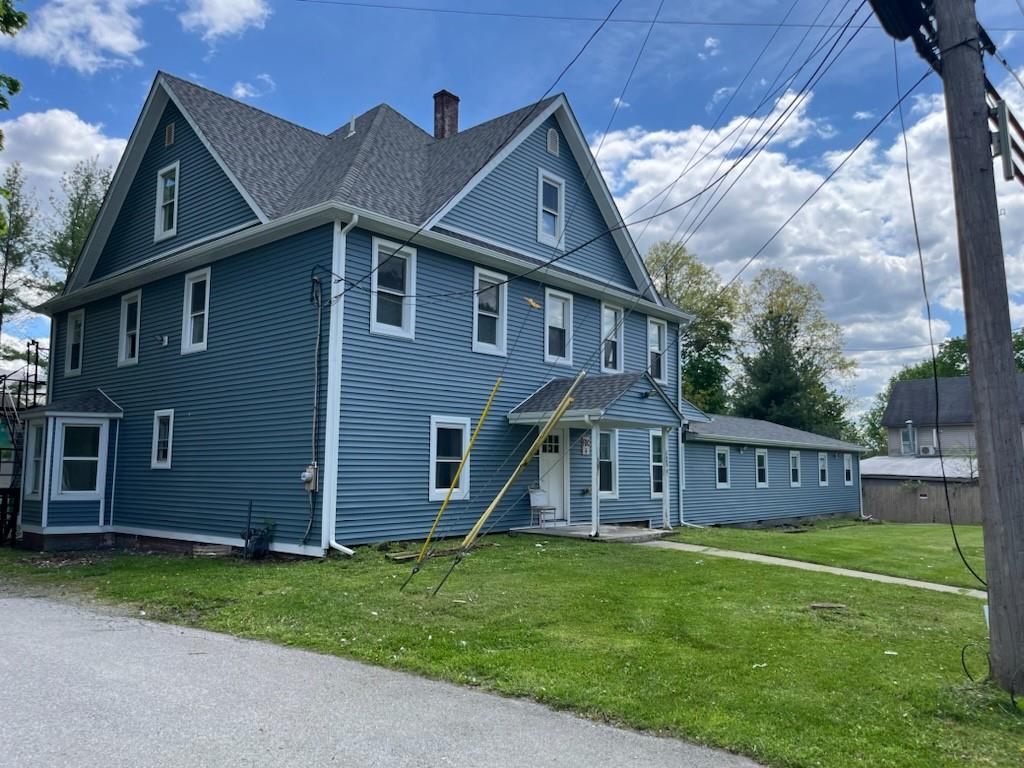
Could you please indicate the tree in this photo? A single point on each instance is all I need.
(17, 242)
(84, 187)
(706, 342)
(793, 357)
(11, 20)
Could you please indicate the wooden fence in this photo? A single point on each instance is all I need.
(920, 501)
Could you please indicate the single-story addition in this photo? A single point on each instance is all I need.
(910, 489)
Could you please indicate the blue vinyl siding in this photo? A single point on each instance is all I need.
(242, 408)
(208, 202)
(391, 386)
(72, 513)
(743, 502)
(511, 189)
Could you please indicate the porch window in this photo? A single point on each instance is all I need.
(558, 327)
(128, 347)
(34, 465)
(794, 469)
(449, 438)
(75, 343)
(611, 333)
(721, 466)
(163, 437)
(489, 321)
(607, 464)
(196, 311)
(166, 202)
(761, 468)
(550, 205)
(80, 458)
(822, 469)
(657, 464)
(392, 283)
(908, 440)
(847, 469)
(657, 335)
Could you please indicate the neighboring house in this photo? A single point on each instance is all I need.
(246, 323)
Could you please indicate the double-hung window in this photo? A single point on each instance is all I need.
(75, 343)
(611, 335)
(761, 468)
(490, 319)
(657, 343)
(823, 469)
(794, 469)
(721, 466)
(607, 464)
(34, 462)
(81, 452)
(392, 289)
(550, 209)
(908, 440)
(657, 464)
(163, 438)
(449, 439)
(195, 326)
(557, 327)
(166, 202)
(847, 469)
(128, 345)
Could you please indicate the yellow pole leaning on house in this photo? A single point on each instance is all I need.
(562, 407)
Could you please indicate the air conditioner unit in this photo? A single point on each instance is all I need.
(928, 450)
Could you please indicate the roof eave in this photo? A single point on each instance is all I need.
(706, 438)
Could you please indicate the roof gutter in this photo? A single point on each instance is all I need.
(704, 438)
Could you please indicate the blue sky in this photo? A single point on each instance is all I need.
(86, 67)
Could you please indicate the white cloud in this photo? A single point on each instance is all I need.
(87, 35)
(244, 90)
(863, 114)
(224, 18)
(712, 47)
(720, 94)
(619, 103)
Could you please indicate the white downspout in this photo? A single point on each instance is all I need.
(595, 479)
(666, 480)
(329, 513)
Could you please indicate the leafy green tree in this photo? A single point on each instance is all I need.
(707, 341)
(17, 242)
(11, 20)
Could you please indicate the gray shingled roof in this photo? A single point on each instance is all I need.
(594, 393)
(91, 401)
(915, 400)
(737, 428)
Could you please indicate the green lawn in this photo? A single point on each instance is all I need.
(924, 552)
(713, 650)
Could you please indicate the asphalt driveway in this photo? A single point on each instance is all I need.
(80, 687)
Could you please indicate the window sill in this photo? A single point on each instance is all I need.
(720, 487)
(794, 485)
(68, 374)
(392, 332)
(127, 363)
(608, 495)
(558, 360)
(610, 370)
(760, 485)
(487, 349)
(440, 494)
(165, 235)
(159, 466)
(193, 349)
(77, 496)
(657, 496)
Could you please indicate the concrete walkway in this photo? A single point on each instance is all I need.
(84, 688)
(804, 566)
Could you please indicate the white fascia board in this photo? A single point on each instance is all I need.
(699, 438)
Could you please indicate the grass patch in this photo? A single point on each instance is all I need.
(925, 552)
(717, 651)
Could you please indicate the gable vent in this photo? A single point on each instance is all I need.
(169, 134)
(553, 141)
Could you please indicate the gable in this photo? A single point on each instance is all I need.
(502, 209)
(209, 203)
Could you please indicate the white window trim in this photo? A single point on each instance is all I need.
(912, 431)
(187, 347)
(158, 232)
(478, 346)
(68, 370)
(663, 379)
(30, 470)
(549, 294)
(614, 492)
(122, 358)
(719, 450)
(847, 469)
(408, 329)
(558, 241)
(153, 462)
(620, 337)
(58, 460)
(822, 483)
(757, 481)
(650, 455)
(462, 492)
(799, 469)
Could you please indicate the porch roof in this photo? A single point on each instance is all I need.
(93, 402)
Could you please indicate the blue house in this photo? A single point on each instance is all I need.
(312, 323)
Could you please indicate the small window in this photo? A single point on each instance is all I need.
(847, 469)
(557, 327)
(80, 449)
(761, 468)
(166, 202)
(553, 141)
(196, 313)
(75, 343)
(657, 464)
(611, 333)
(794, 469)
(721, 466)
(550, 207)
(163, 437)
(607, 464)
(822, 469)
(169, 134)
(393, 281)
(489, 320)
(449, 439)
(908, 440)
(657, 340)
(34, 465)
(128, 346)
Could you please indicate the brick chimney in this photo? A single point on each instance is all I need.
(446, 114)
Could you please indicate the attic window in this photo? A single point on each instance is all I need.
(553, 141)
(166, 202)
(169, 134)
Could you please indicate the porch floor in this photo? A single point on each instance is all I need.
(624, 534)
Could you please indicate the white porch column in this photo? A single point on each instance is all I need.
(666, 486)
(595, 480)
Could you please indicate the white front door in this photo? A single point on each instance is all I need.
(554, 463)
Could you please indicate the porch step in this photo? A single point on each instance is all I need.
(620, 534)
